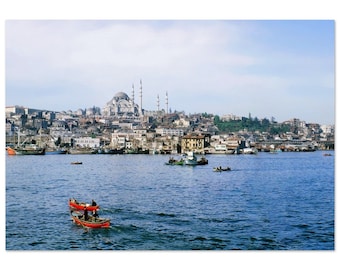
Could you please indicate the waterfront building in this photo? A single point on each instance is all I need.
(87, 142)
(195, 143)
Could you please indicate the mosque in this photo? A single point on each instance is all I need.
(121, 105)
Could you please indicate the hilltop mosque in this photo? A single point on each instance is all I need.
(122, 105)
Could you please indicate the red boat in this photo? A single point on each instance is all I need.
(73, 203)
(91, 222)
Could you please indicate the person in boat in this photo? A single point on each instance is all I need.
(86, 214)
(95, 214)
(93, 203)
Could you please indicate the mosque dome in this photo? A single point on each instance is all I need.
(121, 95)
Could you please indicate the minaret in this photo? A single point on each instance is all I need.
(141, 99)
(133, 99)
(133, 95)
(158, 103)
(166, 102)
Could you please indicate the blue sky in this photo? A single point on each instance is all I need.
(269, 68)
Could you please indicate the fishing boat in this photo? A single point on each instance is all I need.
(55, 151)
(82, 151)
(25, 148)
(30, 149)
(191, 159)
(220, 169)
(173, 161)
(111, 151)
(91, 222)
(248, 150)
(76, 163)
(188, 159)
(202, 161)
(74, 204)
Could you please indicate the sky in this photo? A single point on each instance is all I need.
(267, 68)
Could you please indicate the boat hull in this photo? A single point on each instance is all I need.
(92, 222)
(81, 206)
(25, 151)
(56, 152)
(221, 169)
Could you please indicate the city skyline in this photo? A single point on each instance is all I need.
(283, 69)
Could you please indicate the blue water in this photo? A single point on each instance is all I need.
(267, 201)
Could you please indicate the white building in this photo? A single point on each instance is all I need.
(327, 129)
(182, 122)
(169, 131)
(229, 117)
(87, 142)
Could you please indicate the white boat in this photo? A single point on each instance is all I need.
(249, 151)
(190, 159)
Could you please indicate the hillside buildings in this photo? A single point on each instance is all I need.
(123, 124)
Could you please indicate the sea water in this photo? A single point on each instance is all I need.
(281, 201)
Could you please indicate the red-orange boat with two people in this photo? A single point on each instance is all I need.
(91, 222)
(74, 204)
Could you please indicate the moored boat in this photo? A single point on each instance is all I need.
(249, 150)
(112, 151)
(91, 222)
(25, 150)
(52, 151)
(80, 151)
(73, 203)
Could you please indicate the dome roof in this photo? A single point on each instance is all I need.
(121, 95)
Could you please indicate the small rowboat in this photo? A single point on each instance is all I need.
(219, 169)
(80, 205)
(92, 222)
(76, 163)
